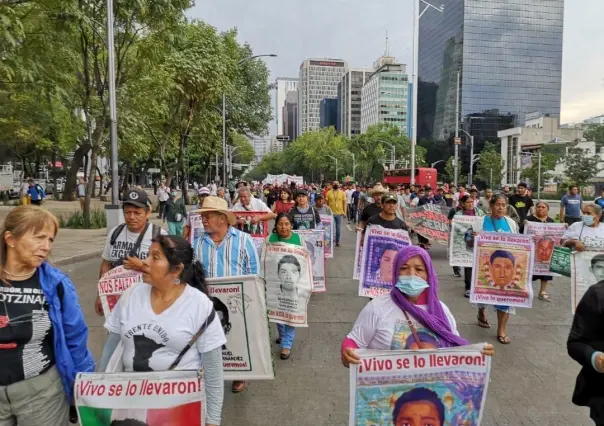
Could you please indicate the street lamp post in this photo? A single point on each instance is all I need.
(336, 160)
(224, 148)
(232, 150)
(435, 163)
(471, 156)
(416, 17)
(393, 154)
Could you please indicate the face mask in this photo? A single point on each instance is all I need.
(411, 285)
(588, 220)
(174, 194)
(335, 187)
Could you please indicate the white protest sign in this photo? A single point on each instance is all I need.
(115, 282)
(314, 240)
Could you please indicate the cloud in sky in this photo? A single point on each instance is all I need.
(355, 30)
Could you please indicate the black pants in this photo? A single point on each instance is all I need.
(36, 202)
(161, 209)
(467, 277)
(571, 220)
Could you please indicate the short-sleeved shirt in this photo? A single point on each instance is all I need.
(125, 242)
(304, 220)
(521, 204)
(491, 224)
(152, 342)
(255, 205)
(355, 196)
(336, 200)
(572, 205)
(382, 325)
(295, 239)
(591, 237)
(235, 255)
(26, 345)
(369, 211)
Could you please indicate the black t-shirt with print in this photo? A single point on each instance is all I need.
(26, 345)
(304, 221)
(396, 223)
(369, 211)
(521, 204)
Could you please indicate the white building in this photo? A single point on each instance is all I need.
(318, 80)
(385, 96)
(262, 146)
(538, 131)
(599, 120)
(349, 98)
(283, 85)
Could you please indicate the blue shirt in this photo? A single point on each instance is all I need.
(599, 201)
(572, 205)
(235, 255)
(495, 225)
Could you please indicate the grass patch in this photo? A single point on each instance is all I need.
(75, 220)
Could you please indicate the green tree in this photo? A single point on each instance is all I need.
(490, 165)
(595, 133)
(580, 168)
(449, 173)
(531, 174)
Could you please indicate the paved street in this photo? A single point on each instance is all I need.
(531, 381)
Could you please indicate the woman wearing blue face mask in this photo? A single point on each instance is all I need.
(410, 317)
(587, 234)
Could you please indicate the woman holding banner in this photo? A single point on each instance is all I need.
(497, 221)
(43, 333)
(468, 208)
(283, 234)
(170, 323)
(410, 317)
(587, 234)
(545, 245)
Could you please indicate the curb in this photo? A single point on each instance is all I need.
(78, 258)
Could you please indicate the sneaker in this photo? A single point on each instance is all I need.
(467, 294)
(457, 273)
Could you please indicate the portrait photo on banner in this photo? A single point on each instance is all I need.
(502, 273)
(196, 228)
(328, 227)
(313, 241)
(587, 269)
(379, 250)
(416, 388)
(546, 237)
(358, 253)
(288, 275)
(247, 222)
(461, 253)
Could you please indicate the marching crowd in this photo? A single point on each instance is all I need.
(43, 334)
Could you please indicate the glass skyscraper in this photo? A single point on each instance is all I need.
(508, 54)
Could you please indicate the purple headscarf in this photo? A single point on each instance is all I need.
(434, 318)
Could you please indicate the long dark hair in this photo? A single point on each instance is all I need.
(279, 216)
(178, 251)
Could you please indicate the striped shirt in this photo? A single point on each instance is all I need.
(235, 255)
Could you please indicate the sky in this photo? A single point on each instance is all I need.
(355, 31)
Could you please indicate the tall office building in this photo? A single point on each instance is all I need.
(290, 116)
(384, 97)
(318, 80)
(508, 55)
(349, 96)
(283, 85)
(328, 113)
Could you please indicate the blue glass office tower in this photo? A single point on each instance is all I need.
(508, 54)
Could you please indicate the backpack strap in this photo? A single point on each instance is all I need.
(116, 233)
(155, 231)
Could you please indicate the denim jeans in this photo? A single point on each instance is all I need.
(287, 334)
(338, 224)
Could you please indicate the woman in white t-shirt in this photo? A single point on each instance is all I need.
(587, 234)
(410, 317)
(159, 318)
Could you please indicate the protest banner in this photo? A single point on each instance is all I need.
(166, 398)
(546, 237)
(328, 227)
(587, 269)
(196, 228)
(430, 221)
(358, 252)
(379, 250)
(459, 252)
(449, 386)
(287, 272)
(113, 283)
(314, 240)
(503, 270)
(247, 354)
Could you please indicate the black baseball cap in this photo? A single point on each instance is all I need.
(136, 197)
(301, 192)
(387, 198)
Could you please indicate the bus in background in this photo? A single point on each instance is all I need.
(423, 176)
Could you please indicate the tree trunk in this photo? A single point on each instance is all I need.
(125, 177)
(100, 182)
(90, 185)
(72, 175)
(86, 166)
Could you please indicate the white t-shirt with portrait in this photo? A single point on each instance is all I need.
(125, 241)
(591, 237)
(152, 342)
(382, 325)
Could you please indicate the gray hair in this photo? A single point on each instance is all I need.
(244, 189)
(596, 207)
(542, 202)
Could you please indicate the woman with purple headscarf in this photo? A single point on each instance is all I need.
(410, 317)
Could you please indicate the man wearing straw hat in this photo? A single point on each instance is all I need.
(223, 250)
(374, 208)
